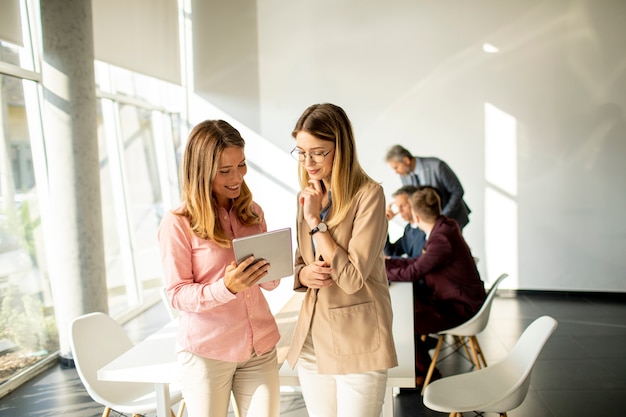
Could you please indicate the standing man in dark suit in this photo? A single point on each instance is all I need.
(431, 172)
(447, 289)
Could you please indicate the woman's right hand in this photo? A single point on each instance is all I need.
(316, 275)
(240, 277)
(391, 211)
(311, 201)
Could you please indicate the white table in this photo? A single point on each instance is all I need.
(403, 375)
(154, 359)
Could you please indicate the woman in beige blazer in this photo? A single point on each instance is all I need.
(343, 343)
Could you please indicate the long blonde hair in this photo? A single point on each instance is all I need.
(330, 122)
(205, 145)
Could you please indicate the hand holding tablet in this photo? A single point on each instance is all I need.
(274, 246)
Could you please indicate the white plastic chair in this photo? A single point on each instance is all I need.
(96, 339)
(499, 388)
(469, 329)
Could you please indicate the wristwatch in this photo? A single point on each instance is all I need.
(321, 227)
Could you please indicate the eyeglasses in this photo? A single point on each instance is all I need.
(317, 156)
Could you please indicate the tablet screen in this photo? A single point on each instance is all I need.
(274, 246)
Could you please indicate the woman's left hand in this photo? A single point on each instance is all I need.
(240, 277)
(316, 275)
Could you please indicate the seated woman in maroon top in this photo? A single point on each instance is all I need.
(447, 288)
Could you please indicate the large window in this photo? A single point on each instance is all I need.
(27, 330)
(138, 138)
(139, 131)
(145, 199)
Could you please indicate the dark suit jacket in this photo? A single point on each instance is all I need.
(437, 174)
(446, 267)
(410, 244)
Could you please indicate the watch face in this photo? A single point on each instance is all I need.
(322, 227)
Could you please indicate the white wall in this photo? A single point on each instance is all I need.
(226, 56)
(536, 132)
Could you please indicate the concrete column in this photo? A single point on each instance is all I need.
(75, 244)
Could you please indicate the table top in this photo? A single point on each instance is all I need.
(154, 359)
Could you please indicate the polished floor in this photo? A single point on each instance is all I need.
(581, 371)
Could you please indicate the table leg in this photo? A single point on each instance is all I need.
(388, 404)
(164, 403)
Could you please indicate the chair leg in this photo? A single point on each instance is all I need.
(433, 363)
(472, 344)
(106, 412)
(480, 351)
(458, 342)
(462, 342)
(181, 409)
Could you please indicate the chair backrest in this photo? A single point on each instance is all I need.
(498, 388)
(479, 321)
(171, 311)
(96, 339)
(520, 361)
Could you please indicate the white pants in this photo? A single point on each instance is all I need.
(350, 395)
(207, 383)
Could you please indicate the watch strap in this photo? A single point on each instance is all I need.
(321, 227)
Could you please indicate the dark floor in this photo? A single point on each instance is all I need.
(581, 371)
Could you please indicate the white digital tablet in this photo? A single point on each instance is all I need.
(275, 247)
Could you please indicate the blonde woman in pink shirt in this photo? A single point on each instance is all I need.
(227, 333)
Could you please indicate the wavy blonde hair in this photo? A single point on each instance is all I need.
(205, 145)
(329, 122)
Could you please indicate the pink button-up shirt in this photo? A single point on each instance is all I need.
(213, 322)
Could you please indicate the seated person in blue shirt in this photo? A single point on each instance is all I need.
(412, 242)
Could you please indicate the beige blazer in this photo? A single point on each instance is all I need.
(350, 321)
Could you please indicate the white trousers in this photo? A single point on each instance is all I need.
(206, 385)
(350, 395)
